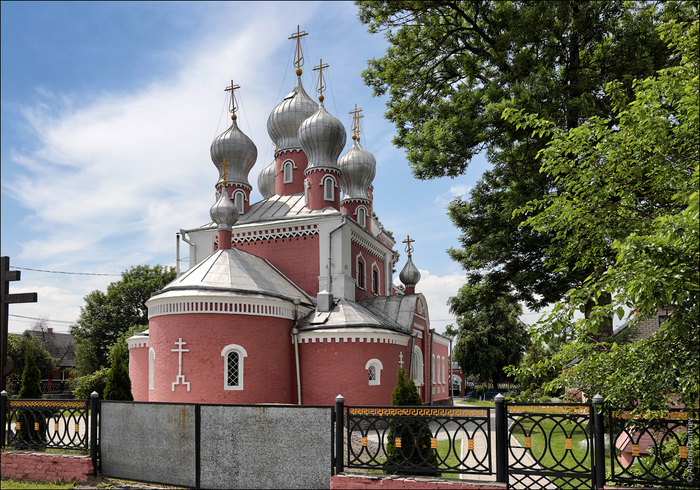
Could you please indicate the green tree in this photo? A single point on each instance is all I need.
(31, 376)
(17, 352)
(629, 183)
(118, 385)
(490, 335)
(107, 315)
(415, 450)
(451, 69)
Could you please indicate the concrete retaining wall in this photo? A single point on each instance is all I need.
(46, 467)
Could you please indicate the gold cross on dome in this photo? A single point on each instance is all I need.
(232, 88)
(408, 242)
(356, 116)
(321, 84)
(298, 54)
(224, 170)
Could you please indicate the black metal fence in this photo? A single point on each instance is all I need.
(538, 446)
(40, 424)
(663, 449)
(420, 440)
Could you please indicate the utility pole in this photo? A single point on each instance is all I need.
(6, 299)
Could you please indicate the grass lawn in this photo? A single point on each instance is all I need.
(475, 402)
(443, 447)
(21, 484)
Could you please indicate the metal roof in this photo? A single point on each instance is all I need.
(349, 314)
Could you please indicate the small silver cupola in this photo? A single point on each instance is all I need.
(233, 150)
(358, 166)
(410, 275)
(266, 180)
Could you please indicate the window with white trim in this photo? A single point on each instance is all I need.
(288, 171)
(361, 214)
(328, 183)
(239, 200)
(151, 369)
(233, 366)
(360, 271)
(374, 372)
(417, 365)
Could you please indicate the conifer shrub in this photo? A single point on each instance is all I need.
(118, 385)
(32, 420)
(408, 442)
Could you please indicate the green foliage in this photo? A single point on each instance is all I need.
(17, 351)
(83, 386)
(490, 335)
(449, 72)
(415, 450)
(31, 376)
(107, 315)
(118, 385)
(626, 211)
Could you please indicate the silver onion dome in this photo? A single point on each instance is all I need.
(223, 212)
(266, 180)
(358, 167)
(240, 154)
(322, 138)
(410, 275)
(285, 119)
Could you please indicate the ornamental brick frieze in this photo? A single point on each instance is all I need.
(366, 245)
(226, 307)
(355, 199)
(319, 169)
(287, 150)
(313, 338)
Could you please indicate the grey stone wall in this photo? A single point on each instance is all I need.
(265, 447)
(148, 442)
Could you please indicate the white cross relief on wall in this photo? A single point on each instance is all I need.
(180, 376)
(401, 359)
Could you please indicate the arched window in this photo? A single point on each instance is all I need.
(374, 371)
(417, 365)
(328, 183)
(233, 366)
(376, 286)
(361, 214)
(360, 271)
(288, 171)
(151, 369)
(239, 200)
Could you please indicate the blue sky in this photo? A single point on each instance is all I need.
(108, 112)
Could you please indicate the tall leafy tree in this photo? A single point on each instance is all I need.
(629, 183)
(451, 69)
(107, 315)
(490, 335)
(17, 346)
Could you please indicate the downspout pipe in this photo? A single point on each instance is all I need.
(295, 335)
(432, 363)
(330, 241)
(410, 356)
(183, 235)
(452, 400)
(177, 255)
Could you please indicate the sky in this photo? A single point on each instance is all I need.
(108, 111)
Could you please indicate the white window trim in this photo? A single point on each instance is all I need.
(376, 288)
(359, 258)
(378, 366)
(417, 365)
(362, 222)
(288, 178)
(151, 369)
(239, 194)
(328, 190)
(242, 354)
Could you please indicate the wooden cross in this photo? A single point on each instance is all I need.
(321, 85)
(232, 88)
(356, 116)
(298, 54)
(6, 299)
(408, 242)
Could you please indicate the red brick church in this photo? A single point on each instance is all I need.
(290, 299)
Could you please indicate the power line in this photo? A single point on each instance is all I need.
(62, 272)
(42, 319)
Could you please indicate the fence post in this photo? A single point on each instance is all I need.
(339, 433)
(3, 417)
(501, 440)
(94, 410)
(599, 441)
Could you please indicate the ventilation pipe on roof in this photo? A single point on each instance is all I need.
(325, 298)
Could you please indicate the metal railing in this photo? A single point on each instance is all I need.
(40, 424)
